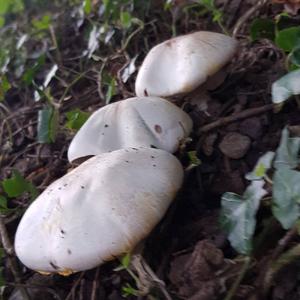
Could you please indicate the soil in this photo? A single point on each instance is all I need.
(187, 251)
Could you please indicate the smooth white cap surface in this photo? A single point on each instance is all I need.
(134, 122)
(98, 211)
(181, 64)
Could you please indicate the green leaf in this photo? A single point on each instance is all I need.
(4, 6)
(93, 43)
(125, 260)
(126, 19)
(128, 290)
(3, 202)
(43, 23)
(111, 90)
(262, 29)
(238, 216)
(2, 21)
(17, 185)
(286, 86)
(262, 166)
(4, 60)
(47, 124)
(295, 57)
(87, 6)
(194, 160)
(17, 6)
(4, 86)
(286, 197)
(289, 38)
(287, 152)
(76, 118)
(31, 72)
(3, 207)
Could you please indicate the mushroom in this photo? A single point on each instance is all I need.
(98, 211)
(135, 122)
(180, 65)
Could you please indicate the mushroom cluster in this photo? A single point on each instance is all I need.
(109, 203)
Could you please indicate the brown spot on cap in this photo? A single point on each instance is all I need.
(53, 265)
(158, 128)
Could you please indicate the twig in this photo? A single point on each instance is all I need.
(6, 243)
(284, 260)
(70, 86)
(146, 275)
(37, 287)
(54, 41)
(95, 285)
(237, 282)
(282, 244)
(244, 18)
(236, 117)
(75, 286)
(9, 250)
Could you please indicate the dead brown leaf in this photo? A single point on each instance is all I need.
(291, 6)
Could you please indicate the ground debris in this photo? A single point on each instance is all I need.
(194, 274)
(235, 145)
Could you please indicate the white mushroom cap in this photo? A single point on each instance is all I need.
(98, 211)
(135, 122)
(181, 64)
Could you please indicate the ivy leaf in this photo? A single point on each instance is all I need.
(47, 124)
(3, 202)
(125, 260)
(262, 28)
(193, 158)
(17, 185)
(295, 57)
(238, 216)
(129, 70)
(93, 43)
(43, 23)
(262, 166)
(76, 118)
(287, 152)
(4, 86)
(31, 72)
(286, 197)
(87, 6)
(50, 75)
(128, 290)
(111, 90)
(125, 19)
(286, 86)
(3, 206)
(289, 38)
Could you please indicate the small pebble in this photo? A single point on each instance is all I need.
(235, 145)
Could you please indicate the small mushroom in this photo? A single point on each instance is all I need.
(135, 122)
(98, 211)
(180, 65)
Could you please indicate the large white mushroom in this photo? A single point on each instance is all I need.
(98, 211)
(135, 122)
(181, 64)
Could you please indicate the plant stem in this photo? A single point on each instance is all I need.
(236, 117)
(239, 279)
(285, 259)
